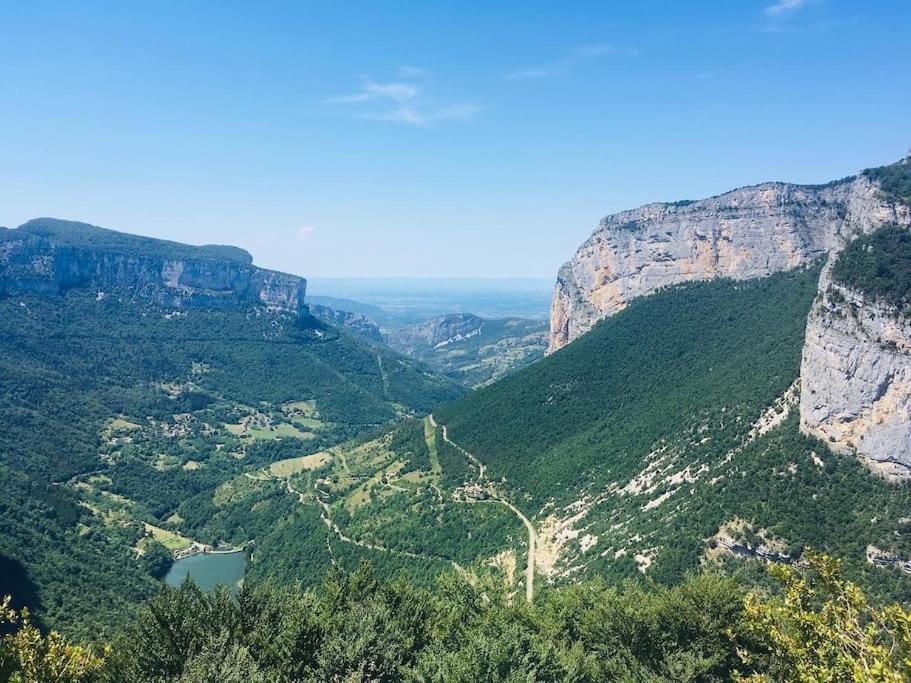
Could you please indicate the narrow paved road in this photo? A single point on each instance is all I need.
(532, 534)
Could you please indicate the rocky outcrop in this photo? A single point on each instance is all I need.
(359, 324)
(856, 379)
(747, 233)
(50, 256)
(435, 333)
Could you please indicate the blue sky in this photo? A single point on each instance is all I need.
(432, 138)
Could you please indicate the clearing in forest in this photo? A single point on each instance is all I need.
(285, 468)
(169, 539)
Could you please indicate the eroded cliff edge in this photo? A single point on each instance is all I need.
(746, 233)
(856, 365)
(49, 255)
(856, 369)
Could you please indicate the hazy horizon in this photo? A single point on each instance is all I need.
(466, 282)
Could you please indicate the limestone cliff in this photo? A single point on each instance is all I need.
(472, 350)
(856, 379)
(49, 256)
(435, 333)
(357, 323)
(746, 233)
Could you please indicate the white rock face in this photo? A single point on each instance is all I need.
(747, 233)
(856, 380)
(856, 367)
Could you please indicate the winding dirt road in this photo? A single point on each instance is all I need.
(326, 516)
(532, 534)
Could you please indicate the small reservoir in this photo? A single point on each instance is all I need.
(209, 570)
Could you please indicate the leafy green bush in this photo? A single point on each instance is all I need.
(822, 628)
(156, 559)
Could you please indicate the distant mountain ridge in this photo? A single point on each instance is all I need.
(356, 323)
(471, 349)
(349, 305)
(436, 332)
(48, 255)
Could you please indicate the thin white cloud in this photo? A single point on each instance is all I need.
(401, 102)
(304, 231)
(411, 72)
(784, 6)
(580, 54)
(371, 90)
(410, 115)
(402, 114)
(785, 16)
(399, 92)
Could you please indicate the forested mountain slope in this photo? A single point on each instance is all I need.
(134, 382)
(667, 437)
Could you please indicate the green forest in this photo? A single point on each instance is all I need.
(121, 414)
(93, 238)
(878, 265)
(649, 373)
(132, 432)
(894, 180)
(658, 458)
(812, 625)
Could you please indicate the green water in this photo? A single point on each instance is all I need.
(209, 570)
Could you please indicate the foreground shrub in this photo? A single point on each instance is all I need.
(27, 656)
(822, 628)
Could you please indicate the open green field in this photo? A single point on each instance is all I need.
(290, 466)
(308, 422)
(169, 539)
(121, 424)
(282, 430)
